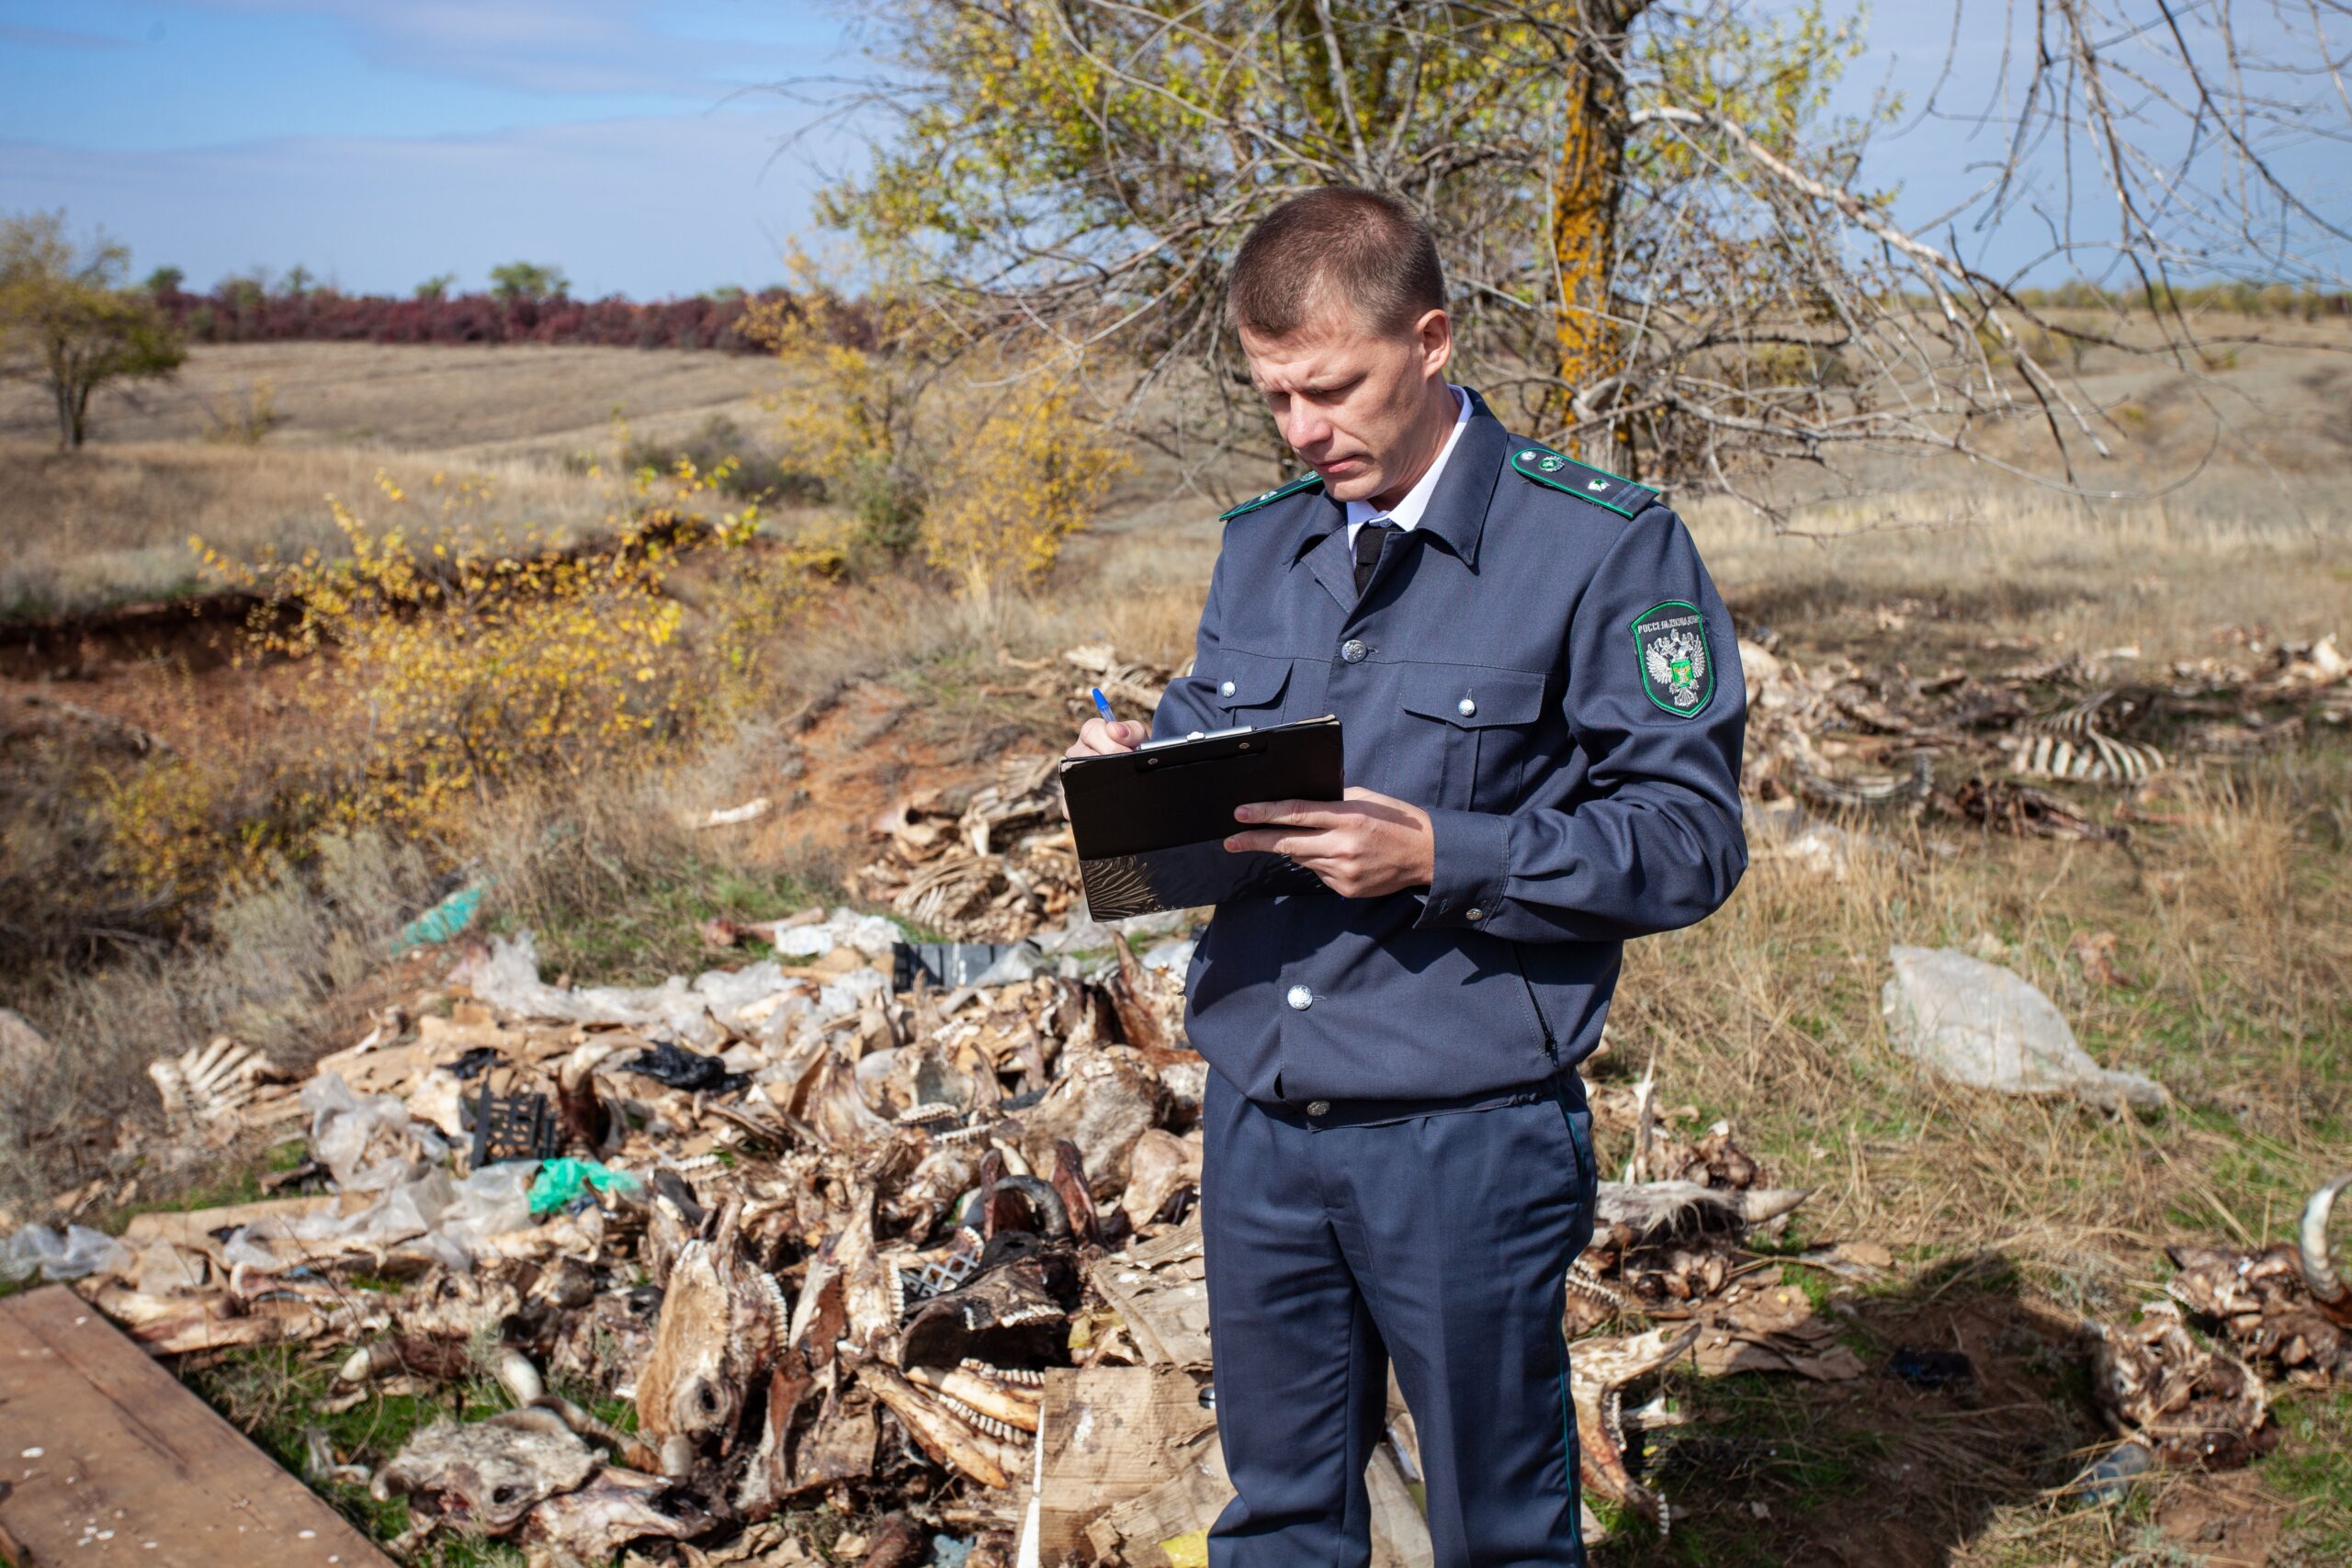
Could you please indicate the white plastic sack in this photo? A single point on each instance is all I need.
(871, 934)
(1981, 1025)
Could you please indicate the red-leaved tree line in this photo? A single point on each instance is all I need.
(240, 312)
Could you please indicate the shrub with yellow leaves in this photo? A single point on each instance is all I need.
(1024, 474)
(447, 662)
(978, 453)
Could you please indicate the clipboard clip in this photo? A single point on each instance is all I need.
(1196, 735)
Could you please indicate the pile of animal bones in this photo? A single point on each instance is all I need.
(993, 862)
(1837, 734)
(837, 1232)
(881, 1245)
(895, 1249)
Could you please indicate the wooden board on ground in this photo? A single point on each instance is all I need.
(194, 1227)
(107, 1457)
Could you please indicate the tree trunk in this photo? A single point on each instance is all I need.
(1586, 192)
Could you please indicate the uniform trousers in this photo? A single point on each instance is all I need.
(1436, 1236)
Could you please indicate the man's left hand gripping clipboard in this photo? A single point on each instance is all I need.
(1150, 825)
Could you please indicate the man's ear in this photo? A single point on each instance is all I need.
(1435, 334)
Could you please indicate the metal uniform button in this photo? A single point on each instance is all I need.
(1466, 707)
(1473, 913)
(1318, 1108)
(1353, 650)
(1301, 997)
(1225, 688)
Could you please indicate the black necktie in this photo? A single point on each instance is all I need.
(1370, 539)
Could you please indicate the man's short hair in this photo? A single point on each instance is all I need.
(1338, 243)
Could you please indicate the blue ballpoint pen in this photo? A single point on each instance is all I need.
(1102, 703)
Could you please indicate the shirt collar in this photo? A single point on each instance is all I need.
(1461, 485)
(1406, 513)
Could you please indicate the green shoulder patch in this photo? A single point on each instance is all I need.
(1307, 481)
(1678, 668)
(1582, 480)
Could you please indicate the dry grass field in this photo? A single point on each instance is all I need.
(2012, 1222)
(112, 522)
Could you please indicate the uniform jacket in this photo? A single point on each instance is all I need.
(1543, 665)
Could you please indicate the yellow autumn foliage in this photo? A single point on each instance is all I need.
(978, 457)
(1025, 473)
(439, 660)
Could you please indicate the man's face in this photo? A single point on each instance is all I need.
(1359, 405)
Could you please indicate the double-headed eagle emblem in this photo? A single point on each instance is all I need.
(1678, 666)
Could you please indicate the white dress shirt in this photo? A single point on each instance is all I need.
(1406, 513)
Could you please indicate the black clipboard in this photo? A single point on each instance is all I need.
(1151, 824)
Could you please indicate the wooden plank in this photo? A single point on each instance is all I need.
(107, 1458)
(194, 1227)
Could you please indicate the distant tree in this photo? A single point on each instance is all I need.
(725, 294)
(527, 280)
(66, 320)
(437, 288)
(297, 281)
(164, 280)
(244, 290)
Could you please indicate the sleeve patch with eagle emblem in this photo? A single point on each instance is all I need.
(1677, 667)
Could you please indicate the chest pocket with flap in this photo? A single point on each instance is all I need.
(1480, 734)
(1248, 686)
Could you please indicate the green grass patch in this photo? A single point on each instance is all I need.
(2312, 1467)
(273, 1394)
(643, 935)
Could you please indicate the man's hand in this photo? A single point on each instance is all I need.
(1097, 737)
(1362, 846)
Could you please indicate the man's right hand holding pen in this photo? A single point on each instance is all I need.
(1106, 737)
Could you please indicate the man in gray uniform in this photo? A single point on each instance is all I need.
(1543, 714)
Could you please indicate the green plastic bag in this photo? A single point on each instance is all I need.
(562, 1180)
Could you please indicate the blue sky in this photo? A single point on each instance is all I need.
(637, 146)
(378, 143)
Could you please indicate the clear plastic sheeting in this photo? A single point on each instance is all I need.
(759, 999)
(71, 1254)
(369, 1143)
(1175, 955)
(453, 1216)
(1018, 964)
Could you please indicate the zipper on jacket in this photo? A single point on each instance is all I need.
(1551, 1046)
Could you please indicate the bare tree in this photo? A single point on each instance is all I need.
(1666, 251)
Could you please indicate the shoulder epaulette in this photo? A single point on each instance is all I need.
(1307, 481)
(1582, 480)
